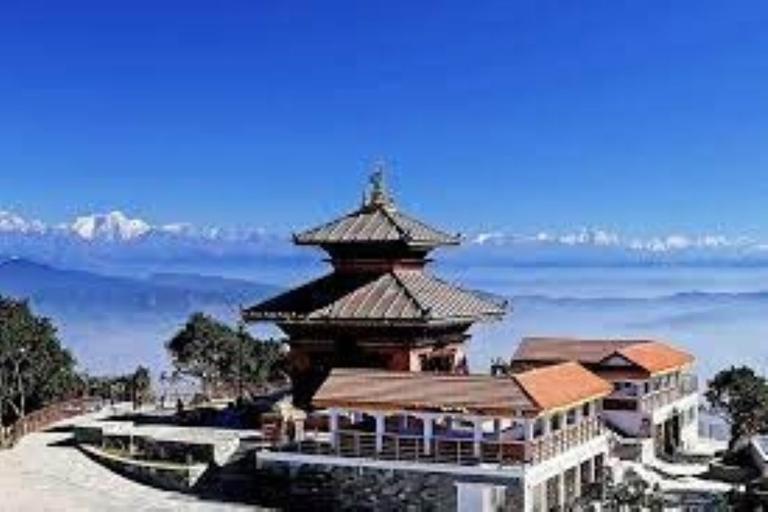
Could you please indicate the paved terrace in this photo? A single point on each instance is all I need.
(44, 473)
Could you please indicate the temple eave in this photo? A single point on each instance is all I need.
(289, 319)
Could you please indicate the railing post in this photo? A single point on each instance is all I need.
(380, 427)
(477, 436)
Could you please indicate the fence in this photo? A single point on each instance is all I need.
(41, 419)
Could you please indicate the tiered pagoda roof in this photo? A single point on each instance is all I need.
(376, 225)
(398, 296)
(376, 221)
(378, 255)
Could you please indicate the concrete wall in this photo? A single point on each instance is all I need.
(172, 477)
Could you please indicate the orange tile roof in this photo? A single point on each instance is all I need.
(649, 355)
(655, 356)
(562, 385)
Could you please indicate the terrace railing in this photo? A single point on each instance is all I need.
(451, 450)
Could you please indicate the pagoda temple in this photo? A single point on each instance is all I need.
(379, 307)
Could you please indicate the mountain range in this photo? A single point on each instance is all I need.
(115, 242)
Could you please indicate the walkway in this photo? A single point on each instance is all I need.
(37, 475)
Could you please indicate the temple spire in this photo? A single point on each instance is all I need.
(378, 195)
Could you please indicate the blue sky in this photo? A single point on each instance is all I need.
(641, 117)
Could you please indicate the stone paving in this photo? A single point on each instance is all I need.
(37, 475)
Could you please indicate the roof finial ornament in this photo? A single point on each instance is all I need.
(378, 196)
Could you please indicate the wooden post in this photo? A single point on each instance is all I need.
(427, 432)
(334, 427)
(477, 436)
(379, 432)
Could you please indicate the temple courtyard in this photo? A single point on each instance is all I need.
(44, 472)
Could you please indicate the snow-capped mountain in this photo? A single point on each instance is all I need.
(113, 240)
(112, 226)
(12, 223)
(120, 243)
(607, 239)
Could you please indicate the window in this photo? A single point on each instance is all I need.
(570, 417)
(555, 423)
(538, 428)
(586, 410)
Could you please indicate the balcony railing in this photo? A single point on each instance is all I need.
(687, 385)
(631, 400)
(451, 450)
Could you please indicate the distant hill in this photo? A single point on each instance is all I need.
(114, 323)
(84, 292)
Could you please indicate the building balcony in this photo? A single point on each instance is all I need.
(630, 399)
(447, 447)
(687, 385)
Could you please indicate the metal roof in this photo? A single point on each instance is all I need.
(396, 391)
(545, 389)
(401, 295)
(376, 223)
(568, 349)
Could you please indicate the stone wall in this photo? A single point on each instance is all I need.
(316, 487)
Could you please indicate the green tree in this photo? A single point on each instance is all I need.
(34, 368)
(740, 396)
(631, 493)
(215, 353)
(141, 386)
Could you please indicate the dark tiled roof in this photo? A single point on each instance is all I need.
(551, 388)
(398, 296)
(649, 355)
(377, 223)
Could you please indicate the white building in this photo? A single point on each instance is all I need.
(536, 435)
(655, 396)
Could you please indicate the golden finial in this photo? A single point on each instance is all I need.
(378, 196)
